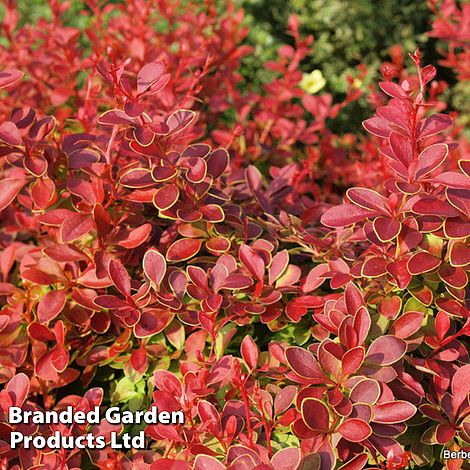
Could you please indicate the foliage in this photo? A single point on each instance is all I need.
(346, 32)
(172, 237)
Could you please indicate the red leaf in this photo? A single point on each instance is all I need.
(386, 350)
(210, 417)
(314, 278)
(329, 362)
(83, 158)
(168, 464)
(460, 386)
(162, 173)
(451, 306)
(465, 166)
(444, 433)
(456, 228)
(394, 90)
(303, 363)
(42, 128)
(166, 197)
(212, 213)
(315, 462)
(179, 120)
(148, 75)
(9, 77)
(345, 214)
(220, 370)
(290, 277)
(386, 446)
(254, 179)
(217, 245)
(217, 162)
(399, 270)
(167, 381)
(152, 322)
(374, 267)
(353, 298)
(9, 133)
(110, 301)
(365, 391)
(431, 158)
(453, 180)
(284, 399)
(154, 265)
(368, 199)
(408, 324)
(196, 169)
(9, 188)
(352, 360)
(51, 305)
(428, 73)
(237, 281)
(453, 276)
(18, 388)
(460, 199)
(205, 462)
(195, 151)
(136, 237)
(120, 277)
(315, 415)
(55, 217)
(422, 262)
(143, 136)
(133, 109)
(393, 412)
(361, 324)
(390, 307)
(401, 148)
(433, 125)
(252, 261)
(354, 430)
(43, 193)
(7, 259)
(114, 117)
(183, 249)
(198, 277)
(356, 463)
(60, 359)
(250, 352)
(100, 322)
(377, 126)
(386, 229)
(139, 360)
(36, 166)
(75, 226)
(137, 178)
(460, 254)
(278, 266)
(287, 459)
(431, 205)
(442, 324)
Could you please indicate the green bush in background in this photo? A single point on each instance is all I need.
(347, 32)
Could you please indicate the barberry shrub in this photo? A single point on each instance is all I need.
(170, 238)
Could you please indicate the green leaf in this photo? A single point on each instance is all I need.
(414, 305)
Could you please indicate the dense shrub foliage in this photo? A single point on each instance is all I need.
(171, 235)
